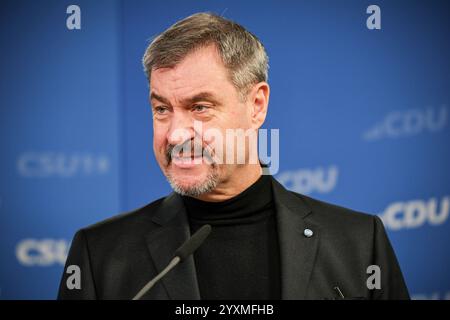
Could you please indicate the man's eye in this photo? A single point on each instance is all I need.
(199, 108)
(160, 110)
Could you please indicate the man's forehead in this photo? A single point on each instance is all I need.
(189, 80)
(198, 67)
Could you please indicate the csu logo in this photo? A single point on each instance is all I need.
(399, 124)
(415, 213)
(52, 164)
(45, 252)
(306, 181)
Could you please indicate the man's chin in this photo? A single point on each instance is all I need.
(192, 181)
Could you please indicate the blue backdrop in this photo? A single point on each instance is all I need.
(363, 117)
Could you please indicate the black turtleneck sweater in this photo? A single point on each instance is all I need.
(240, 258)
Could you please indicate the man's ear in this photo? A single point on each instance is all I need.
(259, 101)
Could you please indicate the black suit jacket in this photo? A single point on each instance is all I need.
(117, 257)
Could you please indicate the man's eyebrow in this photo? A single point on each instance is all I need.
(201, 96)
(156, 96)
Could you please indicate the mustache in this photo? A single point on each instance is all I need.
(189, 148)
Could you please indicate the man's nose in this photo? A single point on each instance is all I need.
(181, 129)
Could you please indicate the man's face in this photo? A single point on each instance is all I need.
(197, 90)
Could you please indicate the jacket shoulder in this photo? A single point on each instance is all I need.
(336, 216)
(126, 223)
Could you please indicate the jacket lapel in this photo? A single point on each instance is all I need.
(297, 252)
(181, 282)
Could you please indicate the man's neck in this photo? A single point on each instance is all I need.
(240, 180)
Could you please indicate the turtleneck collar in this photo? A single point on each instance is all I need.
(247, 207)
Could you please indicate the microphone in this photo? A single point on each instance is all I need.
(180, 255)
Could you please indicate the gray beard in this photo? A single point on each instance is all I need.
(210, 183)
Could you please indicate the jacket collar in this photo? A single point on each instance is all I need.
(181, 282)
(297, 252)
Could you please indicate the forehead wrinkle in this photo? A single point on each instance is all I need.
(201, 71)
(187, 95)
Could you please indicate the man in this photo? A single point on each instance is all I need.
(208, 74)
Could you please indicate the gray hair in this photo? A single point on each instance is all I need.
(241, 52)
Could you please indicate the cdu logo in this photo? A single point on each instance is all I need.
(398, 124)
(415, 213)
(306, 181)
